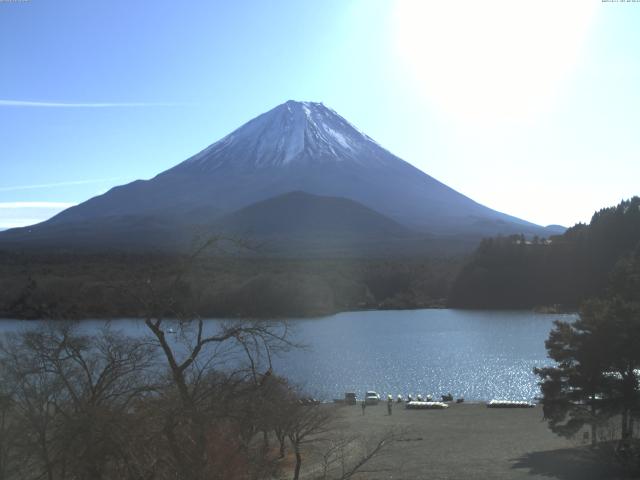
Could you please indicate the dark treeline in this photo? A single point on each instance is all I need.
(513, 272)
(77, 286)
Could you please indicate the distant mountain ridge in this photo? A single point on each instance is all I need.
(295, 147)
(299, 214)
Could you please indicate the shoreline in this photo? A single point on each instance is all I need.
(302, 316)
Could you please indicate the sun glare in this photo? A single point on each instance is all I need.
(491, 60)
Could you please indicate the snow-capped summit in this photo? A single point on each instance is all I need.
(293, 132)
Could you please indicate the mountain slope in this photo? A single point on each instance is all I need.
(297, 146)
(300, 224)
(299, 214)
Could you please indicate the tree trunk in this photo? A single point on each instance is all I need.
(625, 425)
(296, 473)
(594, 428)
(2, 447)
(629, 387)
(45, 456)
(282, 438)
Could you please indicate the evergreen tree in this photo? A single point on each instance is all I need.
(596, 378)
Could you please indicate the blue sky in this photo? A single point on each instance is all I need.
(532, 108)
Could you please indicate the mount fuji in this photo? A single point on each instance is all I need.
(300, 147)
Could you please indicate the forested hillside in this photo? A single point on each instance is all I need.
(511, 272)
(99, 286)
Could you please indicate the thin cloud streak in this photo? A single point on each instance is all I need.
(19, 222)
(27, 103)
(58, 184)
(57, 205)
(22, 214)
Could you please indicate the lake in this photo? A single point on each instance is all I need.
(478, 355)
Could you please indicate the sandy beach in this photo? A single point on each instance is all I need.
(471, 441)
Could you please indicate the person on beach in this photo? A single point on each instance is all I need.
(364, 405)
(389, 407)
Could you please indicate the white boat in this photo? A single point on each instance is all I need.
(426, 405)
(510, 404)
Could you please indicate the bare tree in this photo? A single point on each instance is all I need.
(349, 455)
(6, 404)
(193, 348)
(307, 424)
(73, 399)
(313, 430)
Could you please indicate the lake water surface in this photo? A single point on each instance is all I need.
(478, 355)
